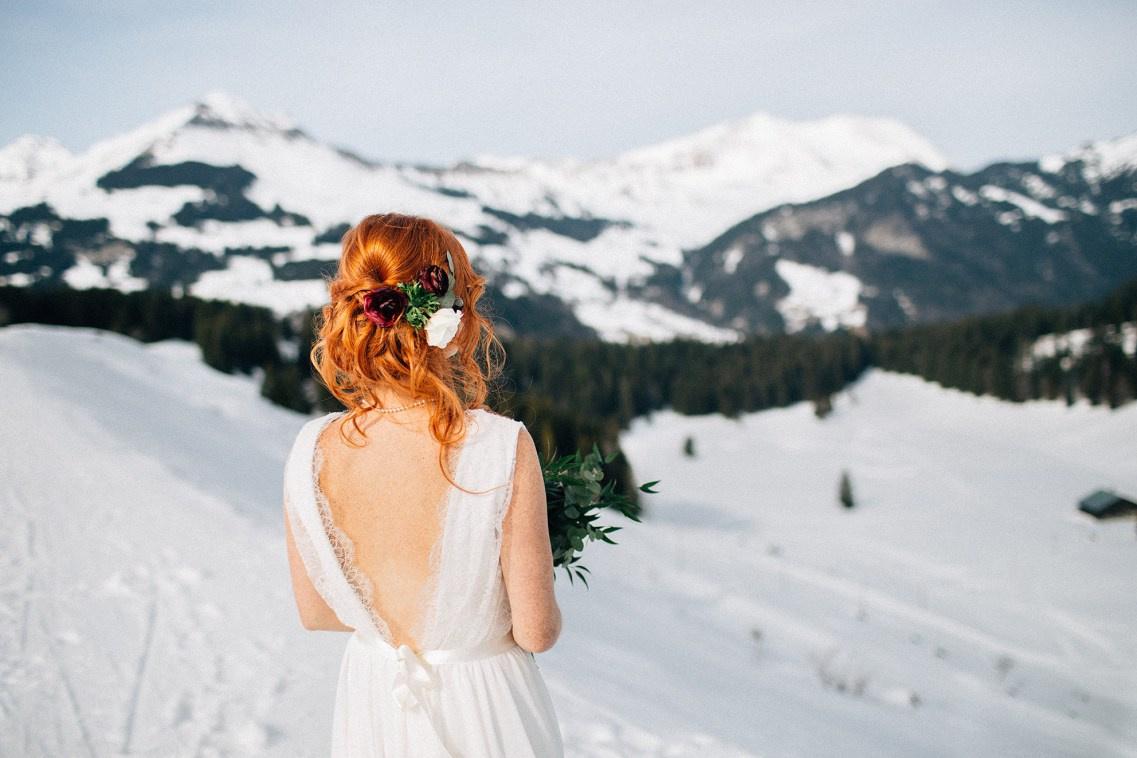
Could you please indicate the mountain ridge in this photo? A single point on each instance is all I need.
(218, 199)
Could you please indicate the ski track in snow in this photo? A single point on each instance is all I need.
(962, 608)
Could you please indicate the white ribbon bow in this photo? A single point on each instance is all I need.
(412, 679)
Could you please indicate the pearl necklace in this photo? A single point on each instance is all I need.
(415, 404)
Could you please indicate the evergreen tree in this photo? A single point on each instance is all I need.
(845, 490)
(283, 387)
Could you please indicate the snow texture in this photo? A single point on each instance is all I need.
(648, 204)
(963, 607)
(832, 298)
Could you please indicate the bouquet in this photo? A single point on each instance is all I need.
(577, 490)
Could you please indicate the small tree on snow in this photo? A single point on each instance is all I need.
(845, 491)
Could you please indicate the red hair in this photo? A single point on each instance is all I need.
(354, 357)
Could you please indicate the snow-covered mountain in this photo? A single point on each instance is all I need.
(963, 607)
(759, 224)
(913, 244)
(221, 200)
(28, 157)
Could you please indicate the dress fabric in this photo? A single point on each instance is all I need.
(471, 692)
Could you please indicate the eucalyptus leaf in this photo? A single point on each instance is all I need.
(577, 491)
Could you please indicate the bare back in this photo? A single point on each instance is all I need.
(389, 498)
(394, 549)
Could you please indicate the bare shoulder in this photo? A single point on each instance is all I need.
(492, 416)
(486, 419)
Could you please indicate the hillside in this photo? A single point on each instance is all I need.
(962, 607)
(760, 224)
(912, 245)
(218, 199)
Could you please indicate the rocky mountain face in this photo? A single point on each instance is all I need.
(911, 244)
(759, 224)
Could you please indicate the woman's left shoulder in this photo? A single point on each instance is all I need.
(494, 416)
(485, 419)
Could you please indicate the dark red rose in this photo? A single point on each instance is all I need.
(434, 280)
(384, 306)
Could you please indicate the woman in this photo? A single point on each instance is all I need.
(415, 518)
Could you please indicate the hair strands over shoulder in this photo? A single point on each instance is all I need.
(355, 358)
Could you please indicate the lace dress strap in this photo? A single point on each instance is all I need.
(314, 533)
(470, 605)
(505, 440)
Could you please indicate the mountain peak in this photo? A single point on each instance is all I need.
(764, 138)
(1106, 158)
(220, 109)
(30, 155)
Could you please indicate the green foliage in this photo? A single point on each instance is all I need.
(990, 355)
(577, 490)
(283, 387)
(615, 383)
(421, 304)
(232, 337)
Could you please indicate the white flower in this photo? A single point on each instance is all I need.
(442, 327)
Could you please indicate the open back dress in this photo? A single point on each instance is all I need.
(470, 691)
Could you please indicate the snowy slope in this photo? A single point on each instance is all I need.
(146, 600)
(687, 189)
(27, 157)
(963, 608)
(1102, 159)
(914, 245)
(581, 230)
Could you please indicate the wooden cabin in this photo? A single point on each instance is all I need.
(1105, 504)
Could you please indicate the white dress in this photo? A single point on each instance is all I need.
(471, 691)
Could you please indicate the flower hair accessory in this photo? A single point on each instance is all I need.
(426, 302)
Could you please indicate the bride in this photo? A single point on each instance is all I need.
(415, 518)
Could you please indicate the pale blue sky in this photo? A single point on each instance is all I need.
(437, 81)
